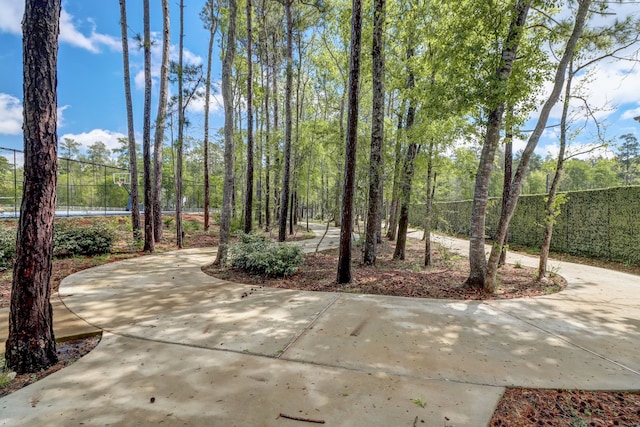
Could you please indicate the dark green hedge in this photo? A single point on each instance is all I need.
(596, 223)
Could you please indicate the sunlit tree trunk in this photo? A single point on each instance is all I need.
(392, 223)
(346, 227)
(133, 157)
(406, 173)
(31, 345)
(550, 208)
(158, 142)
(477, 257)
(284, 199)
(377, 134)
(180, 142)
(149, 245)
(227, 96)
(211, 23)
(505, 218)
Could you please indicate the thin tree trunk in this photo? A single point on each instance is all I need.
(149, 245)
(227, 95)
(503, 225)
(158, 143)
(392, 223)
(431, 186)
(406, 174)
(477, 257)
(284, 200)
(377, 135)
(31, 344)
(248, 206)
(133, 158)
(508, 171)
(346, 228)
(267, 160)
(550, 207)
(209, 8)
(180, 145)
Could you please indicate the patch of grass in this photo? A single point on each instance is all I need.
(419, 401)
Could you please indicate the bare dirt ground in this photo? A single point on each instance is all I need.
(518, 407)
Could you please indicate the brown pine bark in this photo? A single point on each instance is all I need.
(248, 206)
(346, 226)
(133, 158)
(149, 243)
(392, 223)
(160, 123)
(377, 135)
(286, 172)
(406, 174)
(211, 24)
(227, 96)
(180, 142)
(31, 344)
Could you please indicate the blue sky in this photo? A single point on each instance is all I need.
(90, 83)
(90, 77)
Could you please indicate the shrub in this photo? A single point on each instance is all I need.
(7, 248)
(255, 255)
(95, 239)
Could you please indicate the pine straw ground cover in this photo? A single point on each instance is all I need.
(518, 407)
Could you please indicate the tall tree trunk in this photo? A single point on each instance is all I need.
(267, 150)
(227, 96)
(508, 172)
(149, 245)
(180, 144)
(260, 157)
(377, 134)
(275, 157)
(550, 204)
(431, 187)
(503, 225)
(346, 228)
(477, 257)
(133, 158)
(248, 206)
(212, 25)
(284, 199)
(158, 142)
(392, 223)
(406, 174)
(31, 344)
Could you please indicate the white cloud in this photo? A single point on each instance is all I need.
(631, 114)
(215, 100)
(11, 18)
(93, 42)
(109, 138)
(10, 115)
(138, 80)
(188, 57)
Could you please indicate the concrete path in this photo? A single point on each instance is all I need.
(182, 348)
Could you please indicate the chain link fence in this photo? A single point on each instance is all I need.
(86, 188)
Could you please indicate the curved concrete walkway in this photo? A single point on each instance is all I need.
(183, 348)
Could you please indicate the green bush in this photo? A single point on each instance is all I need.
(255, 255)
(95, 239)
(7, 248)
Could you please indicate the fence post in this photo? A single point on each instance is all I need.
(68, 186)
